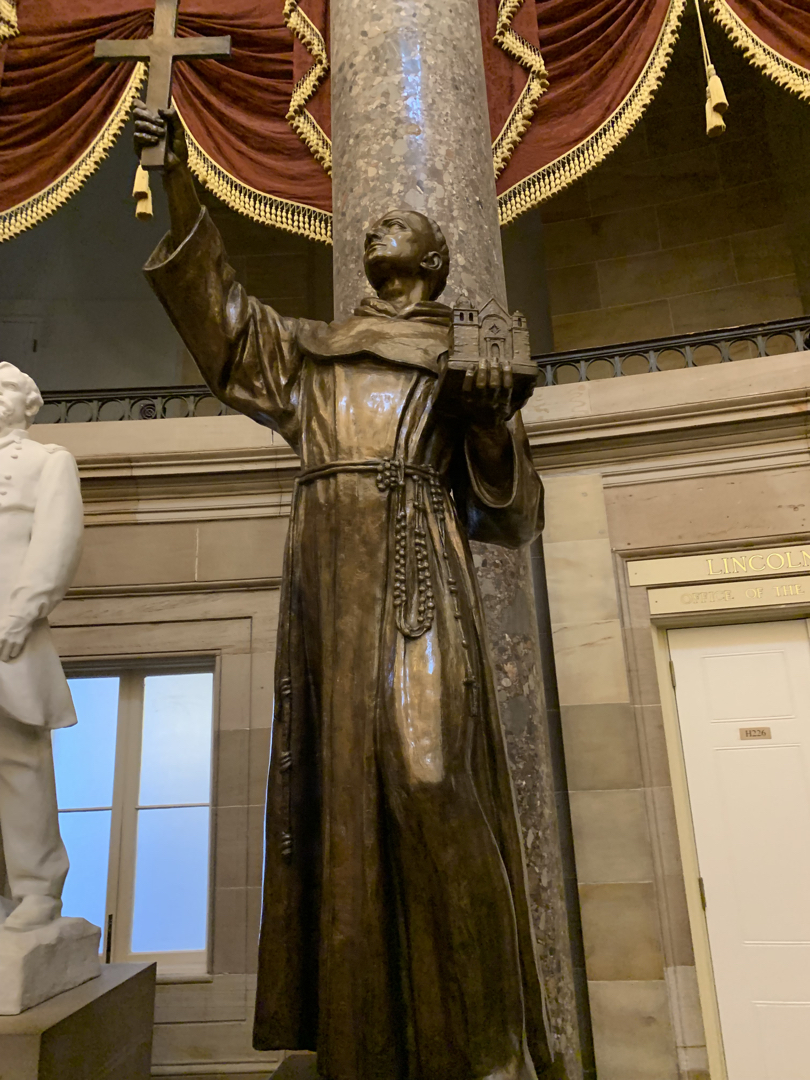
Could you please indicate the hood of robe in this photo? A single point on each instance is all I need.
(419, 336)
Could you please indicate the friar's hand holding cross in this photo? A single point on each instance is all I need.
(160, 50)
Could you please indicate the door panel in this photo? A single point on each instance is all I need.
(743, 695)
(763, 799)
(785, 1029)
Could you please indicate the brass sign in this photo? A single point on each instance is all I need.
(765, 592)
(749, 733)
(721, 567)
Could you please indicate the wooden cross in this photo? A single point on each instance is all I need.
(161, 50)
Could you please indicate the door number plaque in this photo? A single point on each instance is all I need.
(749, 733)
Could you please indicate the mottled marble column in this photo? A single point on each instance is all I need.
(505, 581)
(410, 127)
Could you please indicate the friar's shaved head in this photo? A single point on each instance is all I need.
(406, 241)
(437, 244)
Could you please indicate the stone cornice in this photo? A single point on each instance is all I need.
(750, 414)
(165, 470)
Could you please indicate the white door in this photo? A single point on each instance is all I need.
(743, 696)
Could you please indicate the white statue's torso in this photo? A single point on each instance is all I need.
(22, 463)
(40, 539)
(41, 523)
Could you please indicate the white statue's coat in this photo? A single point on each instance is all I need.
(40, 542)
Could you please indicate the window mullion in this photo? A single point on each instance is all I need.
(124, 833)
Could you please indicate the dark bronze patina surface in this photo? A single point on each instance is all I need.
(396, 938)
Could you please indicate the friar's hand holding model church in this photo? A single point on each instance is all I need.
(396, 938)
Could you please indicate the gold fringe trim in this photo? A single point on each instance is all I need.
(531, 60)
(561, 173)
(784, 72)
(8, 19)
(299, 118)
(291, 216)
(318, 143)
(40, 206)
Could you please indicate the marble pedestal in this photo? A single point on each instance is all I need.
(101, 1030)
(297, 1067)
(36, 965)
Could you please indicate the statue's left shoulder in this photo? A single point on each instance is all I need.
(42, 453)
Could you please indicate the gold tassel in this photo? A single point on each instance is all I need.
(40, 206)
(717, 95)
(715, 124)
(716, 100)
(142, 194)
(792, 76)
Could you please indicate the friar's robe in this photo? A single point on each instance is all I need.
(396, 937)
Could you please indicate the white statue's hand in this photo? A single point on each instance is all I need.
(13, 636)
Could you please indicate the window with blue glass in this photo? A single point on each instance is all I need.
(133, 781)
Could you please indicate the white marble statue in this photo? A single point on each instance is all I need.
(40, 542)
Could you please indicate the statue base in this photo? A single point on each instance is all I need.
(303, 1066)
(100, 1030)
(36, 965)
(298, 1067)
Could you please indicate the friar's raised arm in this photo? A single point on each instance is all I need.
(498, 496)
(246, 352)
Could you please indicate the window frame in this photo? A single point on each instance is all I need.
(131, 624)
(132, 672)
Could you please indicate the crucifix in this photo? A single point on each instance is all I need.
(160, 50)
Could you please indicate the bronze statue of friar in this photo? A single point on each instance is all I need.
(396, 937)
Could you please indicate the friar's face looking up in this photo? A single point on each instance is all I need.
(405, 245)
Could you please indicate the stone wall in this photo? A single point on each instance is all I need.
(639, 468)
(77, 313)
(677, 232)
(292, 274)
(184, 538)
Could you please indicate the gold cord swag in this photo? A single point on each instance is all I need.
(281, 214)
(784, 72)
(40, 206)
(529, 58)
(317, 224)
(8, 19)
(299, 117)
(561, 173)
(516, 48)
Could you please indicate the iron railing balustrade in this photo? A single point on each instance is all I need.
(554, 369)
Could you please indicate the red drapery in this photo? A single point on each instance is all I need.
(60, 109)
(774, 35)
(259, 120)
(605, 60)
